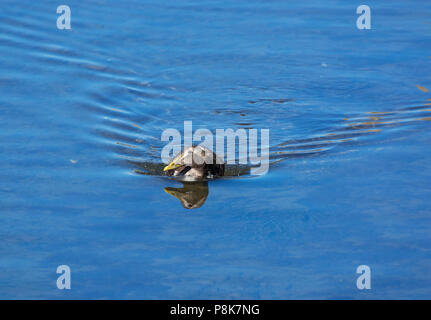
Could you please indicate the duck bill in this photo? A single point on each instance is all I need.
(171, 166)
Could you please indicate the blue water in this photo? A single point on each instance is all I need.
(82, 112)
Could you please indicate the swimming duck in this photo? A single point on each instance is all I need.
(196, 162)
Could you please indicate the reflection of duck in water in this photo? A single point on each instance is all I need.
(191, 195)
(196, 163)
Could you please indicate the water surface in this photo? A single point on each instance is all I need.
(82, 112)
